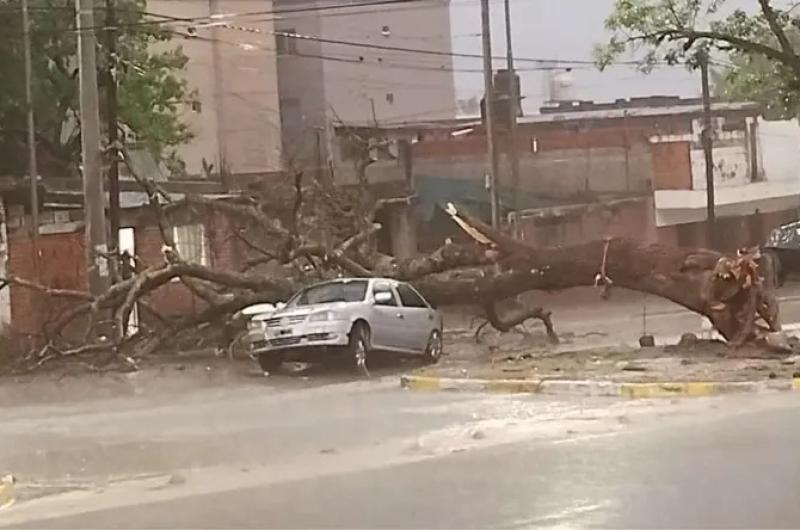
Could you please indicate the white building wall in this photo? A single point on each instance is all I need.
(237, 122)
(778, 145)
(731, 160)
(779, 148)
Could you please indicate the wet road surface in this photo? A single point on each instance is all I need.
(368, 455)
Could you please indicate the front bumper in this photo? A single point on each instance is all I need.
(305, 335)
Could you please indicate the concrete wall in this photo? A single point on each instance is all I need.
(779, 147)
(733, 232)
(574, 224)
(731, 165)
(302, 87)
(235, 75)
(401, 86)
(552, 173)
(327, 84)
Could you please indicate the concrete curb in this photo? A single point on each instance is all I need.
(594, 388)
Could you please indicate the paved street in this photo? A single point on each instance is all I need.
(368, 455)
(209, 447)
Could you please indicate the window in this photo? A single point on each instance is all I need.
(284, 44)
(191, 243)
(383, 287)
(389, 97)
(325, 293)
(409, 296)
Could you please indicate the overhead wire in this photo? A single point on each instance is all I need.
(217, 20)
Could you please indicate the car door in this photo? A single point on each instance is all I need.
(418, 318)
(385, 318)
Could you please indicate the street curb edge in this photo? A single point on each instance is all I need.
(590, 388)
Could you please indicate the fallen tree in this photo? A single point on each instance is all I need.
(325, 232)
(735, 293)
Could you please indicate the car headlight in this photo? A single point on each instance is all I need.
(323, 316)
(255, 325)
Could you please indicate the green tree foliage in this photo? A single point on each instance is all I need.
(752, 43)
(151, 94)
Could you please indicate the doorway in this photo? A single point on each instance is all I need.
(127, 243)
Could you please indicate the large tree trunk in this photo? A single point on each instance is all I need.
(729, 291)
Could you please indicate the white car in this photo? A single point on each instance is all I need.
(351, 317)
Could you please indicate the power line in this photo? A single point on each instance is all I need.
(217, 21)
(168, 19)
(357, 60)
(403, 49)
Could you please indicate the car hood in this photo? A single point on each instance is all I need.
(785, 237)
(308, 309)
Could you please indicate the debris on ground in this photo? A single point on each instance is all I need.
(691, 359)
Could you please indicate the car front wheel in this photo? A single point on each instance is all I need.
(433, 352)
(270, 362)
(360, 347)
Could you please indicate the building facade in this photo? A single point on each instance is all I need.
(344, 66)
(234, 113)
(631, 168)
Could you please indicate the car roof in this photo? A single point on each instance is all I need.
(354, 279)
(392, 281)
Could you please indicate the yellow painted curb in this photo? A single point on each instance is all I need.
(421, 384)
(511, 386)
(7, 493)
(654, 390)
(661, 389)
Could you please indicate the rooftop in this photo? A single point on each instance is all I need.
(579, 110)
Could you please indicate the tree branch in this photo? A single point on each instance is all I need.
(774, 26)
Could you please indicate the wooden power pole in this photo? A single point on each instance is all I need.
(708, 151)
(513, 102)
(33, 171)
(93, 197)
(113, 137)
(488, 104)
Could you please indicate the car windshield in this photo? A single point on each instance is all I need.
(325, 293)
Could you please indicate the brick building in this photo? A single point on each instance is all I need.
(211, 239)
(61, 262)
(630, 168)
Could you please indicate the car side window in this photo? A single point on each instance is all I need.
(409, 297)
(383, 287)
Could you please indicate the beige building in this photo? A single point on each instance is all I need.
(343, 67)
(235, 119)
(274, 78)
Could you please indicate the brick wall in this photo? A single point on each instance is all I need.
(61, 265)
(175, 299)
(672, 165)
(574, 159)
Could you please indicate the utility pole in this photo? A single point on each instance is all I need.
(33, 171)
(94, 200)
(513, 101)
(708, 147)
(488, 83)
(113, 137)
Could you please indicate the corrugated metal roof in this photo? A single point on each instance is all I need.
(578, 115)
(635, 112)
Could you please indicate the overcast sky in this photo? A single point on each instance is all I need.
(560, 30)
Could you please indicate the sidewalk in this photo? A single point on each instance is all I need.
(600, 345)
